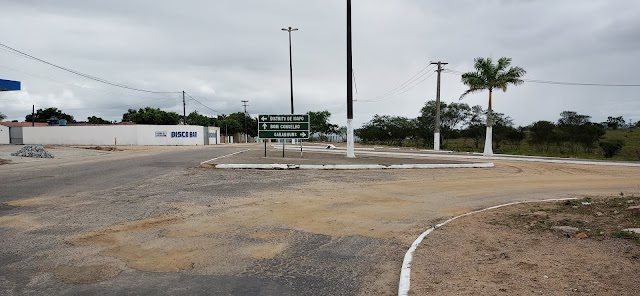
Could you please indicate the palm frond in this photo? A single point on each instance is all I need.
(473, 80)
(503, 64)
(470, 91)
(512, 76)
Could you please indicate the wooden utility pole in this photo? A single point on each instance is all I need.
(184, 109)
(436, 129)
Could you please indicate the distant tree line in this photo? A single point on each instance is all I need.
(573, 133)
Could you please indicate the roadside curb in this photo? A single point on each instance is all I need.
(405, 272)
(277, 166)
(449, 155)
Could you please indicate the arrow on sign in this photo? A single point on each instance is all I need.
(303, 134)
(263, 119)
(264, 126)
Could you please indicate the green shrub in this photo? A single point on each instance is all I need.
(611, 147)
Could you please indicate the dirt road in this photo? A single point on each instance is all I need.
(203, 231)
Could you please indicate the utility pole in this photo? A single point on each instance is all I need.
(184, 109)
(290, 64)
(436, 134)
(350, 140)
(33, 115)
(246, 137)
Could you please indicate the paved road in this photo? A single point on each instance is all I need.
(45, 207)
(100, 174)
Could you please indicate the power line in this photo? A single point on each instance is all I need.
(86, 87)
(580, 84)
(216, 111)
(25, 55)
(403, 86)
(401, 93)
(562, 82)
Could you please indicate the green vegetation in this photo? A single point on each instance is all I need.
(489, 76)
(150, 115)
(42, 115)
(97, 120)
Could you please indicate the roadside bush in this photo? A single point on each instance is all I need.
(611, 147)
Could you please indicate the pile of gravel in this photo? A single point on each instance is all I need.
(35, 151)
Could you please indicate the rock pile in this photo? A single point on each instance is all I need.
(35, 151)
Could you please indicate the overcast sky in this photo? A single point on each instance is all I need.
(222, 52)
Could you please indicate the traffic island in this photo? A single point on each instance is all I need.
(294, 160)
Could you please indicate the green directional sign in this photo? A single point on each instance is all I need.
(283, 135)
(287, 118)
(286, 126)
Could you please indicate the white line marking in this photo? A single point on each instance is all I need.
(210, 160)
(405, 272)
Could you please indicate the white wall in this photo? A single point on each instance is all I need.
(4, 135)
(214, 135)
(147, 135)
(170, 135)
(80, 135)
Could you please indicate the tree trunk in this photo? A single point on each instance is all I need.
(488, 141)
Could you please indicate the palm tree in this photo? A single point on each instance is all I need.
(490, 76)
(2, 116)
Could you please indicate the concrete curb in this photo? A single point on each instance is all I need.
(525, 158)
(277, 166)
(405, 273)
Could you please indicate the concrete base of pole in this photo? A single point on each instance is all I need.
(488, 142)
(436, 141)
(350, 140)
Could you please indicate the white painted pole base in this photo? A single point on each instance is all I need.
(488, 142)
(350, 140)
(436, 141)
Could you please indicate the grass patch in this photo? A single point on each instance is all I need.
(626, 235)
(599, 217)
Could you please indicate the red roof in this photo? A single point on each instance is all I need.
(22, 124)
(28, 124)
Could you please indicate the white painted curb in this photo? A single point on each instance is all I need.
(524, 158)
(277, 166)
(405, 272)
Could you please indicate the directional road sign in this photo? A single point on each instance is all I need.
(283, 126)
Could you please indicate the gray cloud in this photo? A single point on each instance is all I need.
(225, 51)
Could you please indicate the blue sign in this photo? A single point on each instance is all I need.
(7, 85)
(184, 134)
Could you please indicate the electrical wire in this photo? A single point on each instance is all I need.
(94, 78)
(402, 88)
(401, 93)
(86, 87)
(216, 111)
(561, 82)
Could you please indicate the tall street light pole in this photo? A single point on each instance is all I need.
(350, 139)
(290, 63)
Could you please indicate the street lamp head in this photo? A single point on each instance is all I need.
(290, 29)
